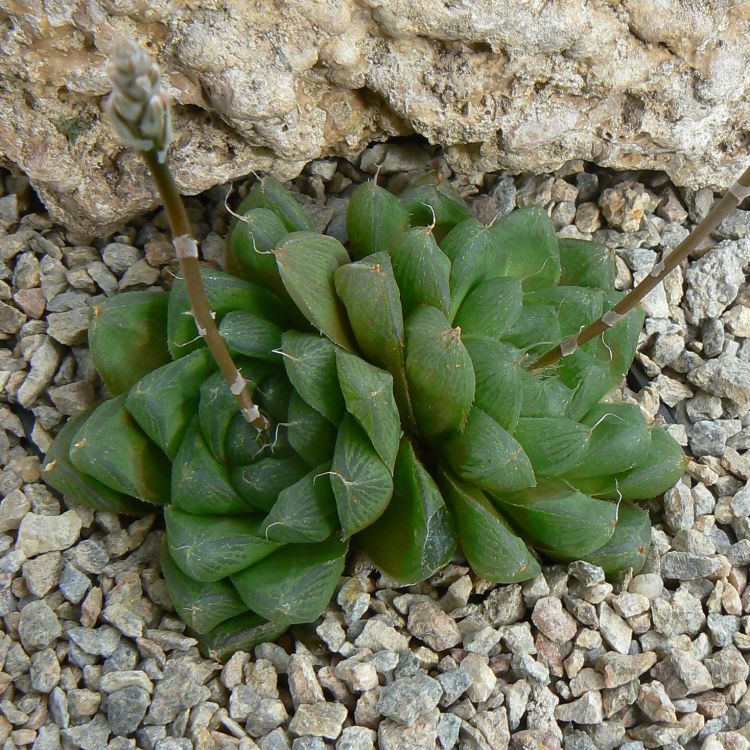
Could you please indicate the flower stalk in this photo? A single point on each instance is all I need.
(721, 209)
(138, 109)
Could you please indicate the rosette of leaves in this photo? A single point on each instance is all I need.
(405, 419)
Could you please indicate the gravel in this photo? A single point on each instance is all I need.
(92, 655)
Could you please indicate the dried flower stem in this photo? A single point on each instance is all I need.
(190, 268)
(139, 112)
(733, 197)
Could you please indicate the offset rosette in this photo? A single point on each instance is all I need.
(404, 419)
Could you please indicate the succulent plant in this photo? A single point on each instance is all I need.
(436, 384)
(404, 418)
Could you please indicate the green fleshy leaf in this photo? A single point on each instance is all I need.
(218, 406)
(251, 335)
(305, 511)
(202, 606)
(372, 299)
(368, 394)
(273, 394)
(575, 306)
(111, 448)
(307, 263)
(553, 444)
(475, 257)
(209, 549)
(536, 330)
(586, 264)
(241, 633)
(485, 454)
(439, 372)
(311, 435)
(629, 545)
(295, 584)
(246, 443)
(493, 550)
(622, 339)
(310, 363)
(498, 373)
(528, 237)
(589, 376)
(224, 293)
(620, 440)
(413, 538)
(269, 193)
(430, 201)
(422, 270)
(248, 251)
(659, 471)
(544, 397)
(491, 308)
(362, 483)
(165, 401)
(200, 484)
(260, 483)
(664, 465)
(374, 220)
(558, 520)
(128, 337)
(76, 487)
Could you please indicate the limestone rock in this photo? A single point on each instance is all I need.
(645, 84)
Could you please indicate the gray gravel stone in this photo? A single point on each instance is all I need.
(118, 680)
(39, 534)
(726, 666)
(73, 583)
(303, 683)
(682, 674)
(614, 629)
(421, 734)
(552, 620)
(68, 328)
(356, 738)
(90, 736)
(44, 671)
(727, 377)
(42, 573)
(126, 709)
(483, 679)
(58, 708)
(405, 699)
(275, 740)
(377, 635)
(174, 743)
(655, 703)
(433, 626)
(38, 626)
(722, 628)
(119, 257)
(100, 641)
(319, 719)
(309, 743)
(504, 605)
(619, 669)
(714, 280)
(455, 682)
(14, 506)
(685, 566)
(585, 710)
(48, 738)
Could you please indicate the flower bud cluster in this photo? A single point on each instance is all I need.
(138, 106)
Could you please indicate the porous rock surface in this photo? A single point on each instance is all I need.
(269, 85)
